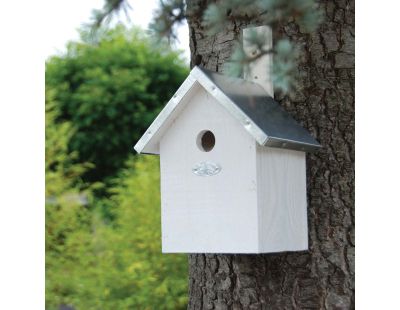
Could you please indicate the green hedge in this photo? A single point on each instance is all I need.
(98, 101)
(111, 91)
(95, 265)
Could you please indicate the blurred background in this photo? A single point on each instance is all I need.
(103, 239)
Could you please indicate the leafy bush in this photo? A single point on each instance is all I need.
(99, 100)
(65, 215)
(141, 276)
(61, 172)
(118, 265)
(110, 92)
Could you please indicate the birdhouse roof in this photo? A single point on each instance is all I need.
(248, 102)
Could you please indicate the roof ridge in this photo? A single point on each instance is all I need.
(248, 102)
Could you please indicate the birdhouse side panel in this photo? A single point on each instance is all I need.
(282, 200)
(208, 181)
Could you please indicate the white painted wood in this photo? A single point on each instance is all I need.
(260, 71)
(149, 142)
(254, 200)
(282, 200)
(255, 204)
(212, 214)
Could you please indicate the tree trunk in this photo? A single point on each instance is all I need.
(323, 276)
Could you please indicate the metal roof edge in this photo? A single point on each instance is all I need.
(249, 125)
(164, 114)
(197, 75)
(292, 144)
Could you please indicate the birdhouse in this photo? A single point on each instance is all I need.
(233, 169)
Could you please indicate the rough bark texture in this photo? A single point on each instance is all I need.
(323, 277)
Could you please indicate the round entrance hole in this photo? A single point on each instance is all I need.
(206, 140)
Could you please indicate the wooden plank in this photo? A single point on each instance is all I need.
(282, 200)
(214, 214)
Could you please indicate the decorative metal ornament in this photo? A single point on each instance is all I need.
(206, 169)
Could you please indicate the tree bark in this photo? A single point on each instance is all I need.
(323, 276)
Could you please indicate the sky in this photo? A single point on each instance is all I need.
(66, 16)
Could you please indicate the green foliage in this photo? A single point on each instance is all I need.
(235, 65)
(65, 215)
(217, 15)
(61, 173)
(111, 92)
(164, 25)
(93, 262)
(109, 8)
(118, 266)
(284, 65)
(268, 12)
(304, 12)
(162, 279)
(64, 185)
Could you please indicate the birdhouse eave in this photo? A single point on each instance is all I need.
(260, 115)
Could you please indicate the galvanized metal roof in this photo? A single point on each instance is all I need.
(260, 115)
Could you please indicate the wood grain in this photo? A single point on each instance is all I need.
(214, 214)
(255, 204)
(282, 201)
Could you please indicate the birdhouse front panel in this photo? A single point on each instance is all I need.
(208, 180)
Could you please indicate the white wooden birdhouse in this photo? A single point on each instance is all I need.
(233, 169)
